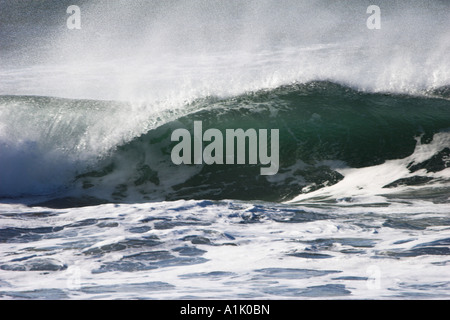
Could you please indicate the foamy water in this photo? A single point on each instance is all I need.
(225, 250)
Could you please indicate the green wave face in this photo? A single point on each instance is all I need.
(322, 127)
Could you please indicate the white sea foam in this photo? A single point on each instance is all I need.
(364, 253)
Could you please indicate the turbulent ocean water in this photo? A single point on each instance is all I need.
(92, 206)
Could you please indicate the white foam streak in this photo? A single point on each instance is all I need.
(367, 184)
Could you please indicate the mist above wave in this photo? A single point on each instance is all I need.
(180, 50)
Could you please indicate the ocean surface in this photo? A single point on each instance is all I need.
(93, 207)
